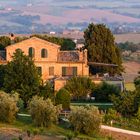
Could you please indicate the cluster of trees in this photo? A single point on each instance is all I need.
(129, 46)
(65, 43)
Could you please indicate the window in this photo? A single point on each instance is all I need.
(69, 71)
(39, 69)
(51, 71)
(31, 52)
(44, 53)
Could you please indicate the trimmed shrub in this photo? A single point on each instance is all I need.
(8, 107)
(63, 97)
(85, 119)
(43, 112)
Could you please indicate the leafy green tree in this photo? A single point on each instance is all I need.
(126, 103)
(22, 76)
(99, 42)
(67, 45)
(79, 87)
(2, 74)
(46, 90)
(104, 91)
(63, 97)
(4, 42)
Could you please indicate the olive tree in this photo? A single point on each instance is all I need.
(85, 119)
(43, 112)
(8, 107)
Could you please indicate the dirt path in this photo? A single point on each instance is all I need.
(120, 134)
(120, 130)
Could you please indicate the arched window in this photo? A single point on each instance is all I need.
(31, 52)
(44, 53)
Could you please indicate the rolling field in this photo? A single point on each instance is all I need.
(131, 37)
(131, 71)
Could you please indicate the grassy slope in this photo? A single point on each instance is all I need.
(25, 123)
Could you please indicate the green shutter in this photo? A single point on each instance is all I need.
(31, 52)
(74, 71)
(44, 53)
(63, 71)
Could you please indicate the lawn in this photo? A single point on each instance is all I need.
(130, 86)
(101, 106)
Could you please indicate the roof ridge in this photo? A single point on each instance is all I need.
(34, 37)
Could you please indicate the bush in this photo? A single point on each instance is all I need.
(43, 112)
(103, 92)
(112, 115)
(63, 97)
(126, 103)
(8, 107)
(85, 119)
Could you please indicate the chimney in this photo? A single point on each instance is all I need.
(12, 37)
(85, 56)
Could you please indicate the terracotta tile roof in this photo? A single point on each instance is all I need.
(115, 78)
(68, 56)
(2, 55)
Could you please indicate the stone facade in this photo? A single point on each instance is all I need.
(53, 63)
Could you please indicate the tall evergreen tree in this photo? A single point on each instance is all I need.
(99, 42)
(22, 76)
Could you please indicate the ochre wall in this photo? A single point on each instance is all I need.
(37, 44)
(59, 84)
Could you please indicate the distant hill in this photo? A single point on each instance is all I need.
(62, 12)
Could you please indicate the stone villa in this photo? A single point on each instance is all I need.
(52, 63)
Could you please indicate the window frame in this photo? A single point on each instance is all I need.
(44, 53)
(31, 52)
(69, 71)
(51, 71)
